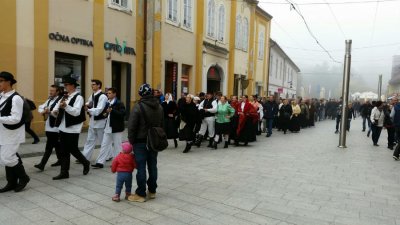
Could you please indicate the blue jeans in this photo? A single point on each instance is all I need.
(143, 157)
(270, 122)
(124, 177)
(366, 118)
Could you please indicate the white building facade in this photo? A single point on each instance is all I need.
(283, 73)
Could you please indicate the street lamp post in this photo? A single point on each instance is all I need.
(345, 95)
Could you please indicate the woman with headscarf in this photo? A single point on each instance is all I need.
(259, 108)
(248, 118)
(285, 112)
(170, 114)
(189, 119)
(295, 120)
(223, 121)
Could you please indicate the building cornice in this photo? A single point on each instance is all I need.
(263, 13)
(215, 48)
(274, 44)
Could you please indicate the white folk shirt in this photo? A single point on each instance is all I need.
(96, 111)
(213, 109)
(74, 110)
(17, 136)
(41, 109)
(108, 129)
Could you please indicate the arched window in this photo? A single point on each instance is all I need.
(172, 10)
(187, 13)
(245, 34)
(261, 45)
(221, 23)
(238, 33)
(211, 18)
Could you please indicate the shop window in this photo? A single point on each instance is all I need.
(72, 65)
(185, 78)
(171, 78)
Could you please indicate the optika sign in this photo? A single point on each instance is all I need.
(74, 40)
(121, 49)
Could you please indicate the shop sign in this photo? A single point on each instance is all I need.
(121, 49)
(73, 40)
(174, 80)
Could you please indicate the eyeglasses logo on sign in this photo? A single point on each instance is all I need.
(117, 47)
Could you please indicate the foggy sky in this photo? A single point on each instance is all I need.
(356, 22)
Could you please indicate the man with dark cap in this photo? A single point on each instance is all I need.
(70, 114)
(12, 134)
(208, 108)
(149, 107)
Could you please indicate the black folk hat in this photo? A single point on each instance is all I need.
(67, 79)
(8, 77)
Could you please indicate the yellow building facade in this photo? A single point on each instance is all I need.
(178, 46)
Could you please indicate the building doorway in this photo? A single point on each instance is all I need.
(121, 80)
(214, 77)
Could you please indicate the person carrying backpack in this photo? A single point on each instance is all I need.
(29, 119)
(147, 110)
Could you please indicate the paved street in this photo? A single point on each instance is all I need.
(286, 179)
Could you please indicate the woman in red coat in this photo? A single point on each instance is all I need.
(248, 118)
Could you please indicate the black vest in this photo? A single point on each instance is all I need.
(208, 105)
(52, 119)
(95, 99)
(6, 111)
(69, 119)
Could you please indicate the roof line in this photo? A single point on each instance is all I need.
(274, 43)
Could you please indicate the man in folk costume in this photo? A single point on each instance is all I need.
(70, 117)
(52, 133)
(208, 108)
(12, 134)
(95, 107)
(248, 118)
(112, 139)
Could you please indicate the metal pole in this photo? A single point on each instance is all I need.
(380, 88)
(345, 95)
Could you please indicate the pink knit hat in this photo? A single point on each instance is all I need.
(126, 147)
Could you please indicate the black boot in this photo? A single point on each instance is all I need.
(39, 166)
(226, 144)
(23, 178)
(210, 143)
(175, 143)
(11, 180)
(215, 145)
(187, 148)
(62, 175)
(199, 140)
(58, 163)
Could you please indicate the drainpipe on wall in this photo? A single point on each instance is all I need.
(145, 41)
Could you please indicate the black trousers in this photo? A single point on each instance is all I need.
(53, 141)
(69, 146)
(391, 136)
(30, 131)
(376, 133)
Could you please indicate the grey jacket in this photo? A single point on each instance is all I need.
(137, 129)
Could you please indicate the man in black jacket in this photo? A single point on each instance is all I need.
(365, 111)
(114, 112)
(270, 111)
(137, 134)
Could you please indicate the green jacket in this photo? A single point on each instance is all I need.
(224, 110)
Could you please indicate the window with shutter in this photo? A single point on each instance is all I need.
(187, 13)
(245, 34)
(238, 33)
(211, 18)
(221, 23)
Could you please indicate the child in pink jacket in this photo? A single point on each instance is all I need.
(124, 164)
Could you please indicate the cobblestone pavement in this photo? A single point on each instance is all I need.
(285, 179)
